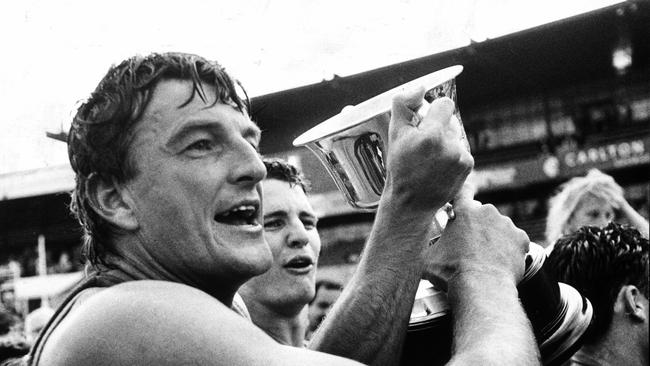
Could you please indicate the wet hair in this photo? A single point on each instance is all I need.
(279, 169)
(562, 205)
(598, 262)
(103, 127)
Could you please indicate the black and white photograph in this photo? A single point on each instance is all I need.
(267, 182)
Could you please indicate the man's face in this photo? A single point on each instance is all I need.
(290, 230)
(196, 190)
(321, 305)
(593, 211)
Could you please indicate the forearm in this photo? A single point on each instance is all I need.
(636, 219)
(370, 319)
(490, 325)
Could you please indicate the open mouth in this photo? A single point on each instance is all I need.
(245, 214)
(300, 263)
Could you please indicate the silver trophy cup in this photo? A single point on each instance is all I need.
(353, 145)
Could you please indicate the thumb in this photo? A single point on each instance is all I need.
(441, 112)
(404, 106)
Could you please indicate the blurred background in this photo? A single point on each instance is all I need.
(549, 91)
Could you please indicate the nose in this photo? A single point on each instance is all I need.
(297, 236)
(249, 168)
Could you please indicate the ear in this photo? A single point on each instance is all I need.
(112, 202)
(629, 300)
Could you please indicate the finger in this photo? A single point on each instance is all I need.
(615, 193)
(405, 104)
(613, 197)
(454, 127)
(440, 113)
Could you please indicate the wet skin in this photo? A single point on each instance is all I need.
(197, 193)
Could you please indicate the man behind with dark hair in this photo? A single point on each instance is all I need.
(281, 170)
(277, 300)
(327, 292)
(610, 267)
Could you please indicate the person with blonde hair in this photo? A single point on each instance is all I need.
(592, 200)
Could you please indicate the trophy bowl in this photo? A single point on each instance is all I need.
(352, 144)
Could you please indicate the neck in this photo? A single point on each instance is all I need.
(135, 264)
(286, 327)
(611, 350)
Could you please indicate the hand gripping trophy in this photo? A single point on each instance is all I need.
(352, 146)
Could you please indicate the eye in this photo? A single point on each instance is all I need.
(255, 144)
(309, 223)
(201, 145)
(273, 224)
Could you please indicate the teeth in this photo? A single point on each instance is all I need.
(241, 209)
(244, 214)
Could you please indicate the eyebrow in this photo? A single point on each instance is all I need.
(277, 213)
(188, 128)
(282, 213)
(179, 133)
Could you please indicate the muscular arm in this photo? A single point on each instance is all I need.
(369, 321)
(426, 165)
(478, 260)
(490, 326)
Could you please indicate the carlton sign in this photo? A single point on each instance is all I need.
(612, 155)
(568, 163)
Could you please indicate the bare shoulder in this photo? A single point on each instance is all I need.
(162, 323)
(149, 321)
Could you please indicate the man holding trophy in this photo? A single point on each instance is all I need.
(168, 192)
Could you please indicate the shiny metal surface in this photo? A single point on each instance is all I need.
(559, 314)
(430, 303)
(353, 144)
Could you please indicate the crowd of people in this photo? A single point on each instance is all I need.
(200, 251)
